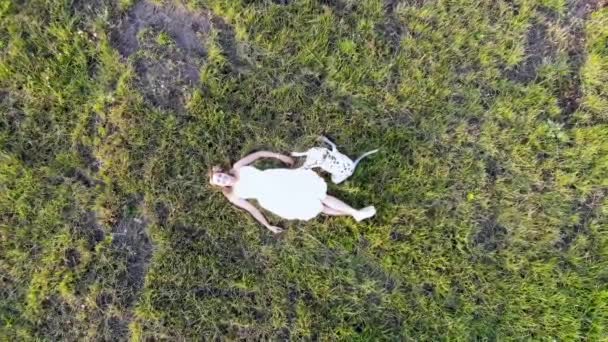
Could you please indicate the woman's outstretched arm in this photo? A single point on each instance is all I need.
(262, 154)
(255, 212)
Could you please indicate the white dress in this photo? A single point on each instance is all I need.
(293, 194)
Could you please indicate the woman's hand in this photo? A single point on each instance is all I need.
(275, 229)
(255, 212)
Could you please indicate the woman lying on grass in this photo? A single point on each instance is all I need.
(294, 194)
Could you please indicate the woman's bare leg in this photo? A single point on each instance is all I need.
(337, 205)
(333, 212)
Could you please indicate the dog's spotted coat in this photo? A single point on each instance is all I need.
(332, 161)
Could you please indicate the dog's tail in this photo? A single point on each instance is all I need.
(364, 155)
(299, 154)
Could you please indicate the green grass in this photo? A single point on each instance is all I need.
(491, 185)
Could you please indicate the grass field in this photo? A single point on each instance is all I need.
(491, 184)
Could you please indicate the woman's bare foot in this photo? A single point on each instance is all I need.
(365, 213)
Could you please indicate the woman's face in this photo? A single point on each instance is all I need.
(222, 179)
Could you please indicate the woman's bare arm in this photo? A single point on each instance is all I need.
(262, 154)
(255, 212)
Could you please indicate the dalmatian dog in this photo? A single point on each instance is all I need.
(332, 161)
